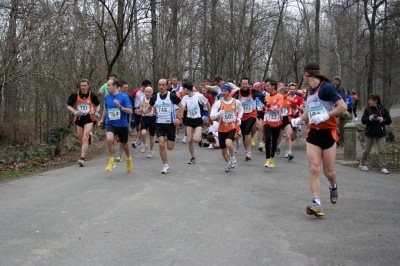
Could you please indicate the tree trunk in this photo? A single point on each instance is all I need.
(317, 21)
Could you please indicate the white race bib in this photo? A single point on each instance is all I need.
(163, 109)
(84, 108)
(114, 114)
(272, 116)
(248, 108)
(193, 112)
(284, 111)
(229, 116)
(315, 109)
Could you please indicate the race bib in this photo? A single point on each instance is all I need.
(84, 108)
(247, 108)
(145, 107)
(229, 116)
(284, 111)
(272, 116)
(163, 109)
(114, 114)
(315, 109)
(193, 112)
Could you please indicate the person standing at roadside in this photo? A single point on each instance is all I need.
(338, 84)
(375, 117)
(85, 106)
(323, 105)
(355, 105)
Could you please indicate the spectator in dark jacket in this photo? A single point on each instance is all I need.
(375, 118)
(338, 84)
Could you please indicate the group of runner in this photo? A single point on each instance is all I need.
(237, 111)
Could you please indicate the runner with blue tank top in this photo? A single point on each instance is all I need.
(117, 109)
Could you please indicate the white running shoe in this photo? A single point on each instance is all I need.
(176, 138)
(184, 140)
(384, 171)
(143, 150)
(150, 154)
(165, 169)
(363, 167)
(286, 154)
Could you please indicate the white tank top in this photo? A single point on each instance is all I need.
(165, 110)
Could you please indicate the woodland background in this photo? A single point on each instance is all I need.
(47, 46)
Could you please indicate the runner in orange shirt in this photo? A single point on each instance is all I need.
(272, 120)
(288, 109)
(229, 112)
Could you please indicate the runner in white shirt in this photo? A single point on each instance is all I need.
(193, 102)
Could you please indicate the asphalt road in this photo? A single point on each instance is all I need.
(198, 214)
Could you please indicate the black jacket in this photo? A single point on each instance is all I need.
(376, 129)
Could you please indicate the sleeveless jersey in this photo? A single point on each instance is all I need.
(249, 107)
(145, 105)
(317, 106)
(271, 117)
(165, 110)
(228, 121)
(85, 106)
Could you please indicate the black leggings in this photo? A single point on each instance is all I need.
(271, 133)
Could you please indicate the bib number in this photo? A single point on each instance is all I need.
(315, 109)
(272, 116)
(229, 116)
(247, 108)
(114, 114)
(163, 109)
(193, 113)
(84, 108)
(284, 111)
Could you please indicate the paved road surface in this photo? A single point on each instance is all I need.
(198, 215)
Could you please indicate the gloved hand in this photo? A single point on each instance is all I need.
(296, 122)
(380, 119)
(221, 113)
(77, 113)
(97, 116)
(371, 118)
(239, 121)
(319, 118)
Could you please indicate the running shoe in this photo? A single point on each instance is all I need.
(233, 163)
(165, 169)
(237, 147)
(248, 156)
(384, 171)
(143, 150)
(260, 147)
(119, 158)
(156, 141)
(356, 119)
(290, 156)
(286, 154)
(111, 165)
(363, 167)
(263, 148)
(278, 150)
(228, 167)
(315, 209)
(184, 140)
(272, 163)
(90, 140)
(129, 165)
(253, 143)
(333, 195)
(176, 138)
(81, 162)
(192, 161)
(139, 142)
(134, 144)
(201, 143)
(150, 154)
(267, 163)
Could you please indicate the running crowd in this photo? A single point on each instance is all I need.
(219, 116)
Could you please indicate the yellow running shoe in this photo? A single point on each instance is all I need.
(129, 165)
(253, 142)
(267, 163)
(111, 164)
(272, 163)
